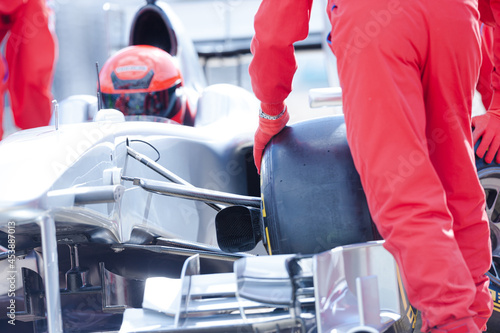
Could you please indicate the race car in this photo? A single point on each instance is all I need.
(128, 223)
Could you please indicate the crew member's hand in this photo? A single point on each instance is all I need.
(269, 126)
(487, 127)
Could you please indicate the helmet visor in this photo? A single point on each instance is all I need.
(164, 103)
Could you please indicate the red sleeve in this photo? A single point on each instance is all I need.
(495, 75)
(278, 24)
(8, 7)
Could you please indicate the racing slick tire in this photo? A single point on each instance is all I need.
(312, 196)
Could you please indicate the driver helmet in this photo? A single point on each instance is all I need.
(143, 80)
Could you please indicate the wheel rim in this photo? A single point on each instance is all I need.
(490, 180)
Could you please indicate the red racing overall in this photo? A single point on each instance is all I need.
(30, 54)
(408, 71)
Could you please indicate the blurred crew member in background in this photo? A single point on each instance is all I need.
(28, 67)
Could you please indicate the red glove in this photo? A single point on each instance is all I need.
(487, 127)
(272, 119)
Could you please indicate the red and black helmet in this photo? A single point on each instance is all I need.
(143, 80)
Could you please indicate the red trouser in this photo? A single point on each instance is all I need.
(30, 53)
(408, 70)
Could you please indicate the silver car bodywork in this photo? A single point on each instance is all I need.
(101, 186)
